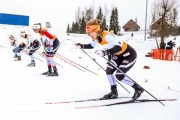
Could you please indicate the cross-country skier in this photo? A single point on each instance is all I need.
(122, 55)
(32, 45)
(21, 44)
(51, 45)
(13, 42)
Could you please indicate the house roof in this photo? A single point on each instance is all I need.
(157, 24)
(131, 24)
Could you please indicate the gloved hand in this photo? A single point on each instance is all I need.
(100, 53)
(43, 53)
(48, 49)
(27, 50)
(79, 45)
(30, 48)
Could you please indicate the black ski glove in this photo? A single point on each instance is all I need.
(79, 45)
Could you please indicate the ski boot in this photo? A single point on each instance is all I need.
(15, 56)
(55, 73)
(113, 94)
(32, 64)
(51, 74)
(18, 58)
(138, 91)
(48, 72)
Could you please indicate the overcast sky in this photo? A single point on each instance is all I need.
(60, 14)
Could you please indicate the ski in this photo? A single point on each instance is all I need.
(124, 102)
(31, 65)
(84, 100)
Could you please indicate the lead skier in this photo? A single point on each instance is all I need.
(120, 54)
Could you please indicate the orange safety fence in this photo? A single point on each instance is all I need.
(162, 54)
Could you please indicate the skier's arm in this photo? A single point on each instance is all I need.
(109, 52)
(113, 50)
(47, 34)
(86, 46)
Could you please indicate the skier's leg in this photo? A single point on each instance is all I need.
(126, 65)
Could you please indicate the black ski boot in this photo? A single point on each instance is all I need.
(113, 94)
(138, 91)
(18, 58)
(55, 73)
(15, 56)
(32, 64)
(48, 72)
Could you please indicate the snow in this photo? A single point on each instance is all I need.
(24, 91)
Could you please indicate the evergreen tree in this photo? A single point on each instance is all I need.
(173, 29)
(73, 27)
(100, 14)
(111, 25)
(68, 29)
(81, 17)
(82, 26)
(79, 24)
(104, 24)
(76, 29)
(114, 24)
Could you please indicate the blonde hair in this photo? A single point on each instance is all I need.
(94, 22)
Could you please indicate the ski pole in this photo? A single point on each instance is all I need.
(93, 59)
(132, 79)
(100, 66)
(45, 57)
(103, 69)
(34, 57)
(76, 63)
(90, 56)
(69, 63)
(39, 59)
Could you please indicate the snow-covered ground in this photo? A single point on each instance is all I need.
(24, 91)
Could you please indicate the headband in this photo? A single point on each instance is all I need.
(92, 28)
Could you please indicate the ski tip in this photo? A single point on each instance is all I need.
(78, 107)
(171, 99)
(56, 102)
(83, 107)
(48, 103)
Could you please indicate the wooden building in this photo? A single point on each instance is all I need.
(158, 24)
(131, 26)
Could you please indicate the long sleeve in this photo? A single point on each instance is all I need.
(90, 45)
